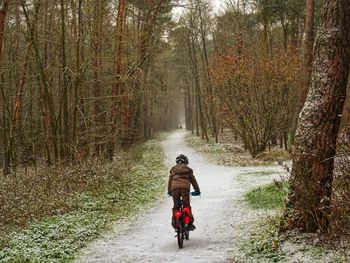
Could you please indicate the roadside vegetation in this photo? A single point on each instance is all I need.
(271, 196)
(231, 152)
(265, 243)
(65, 208)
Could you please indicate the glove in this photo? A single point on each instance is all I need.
(196, 193)
(170, 194)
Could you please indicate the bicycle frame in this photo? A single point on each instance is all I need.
(183, 218)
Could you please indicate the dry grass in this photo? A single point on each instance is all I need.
(35, 193)
(59, 210)
(276, 155)
(231, 152)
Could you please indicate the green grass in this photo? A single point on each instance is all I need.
(269, 196)
(60, 238)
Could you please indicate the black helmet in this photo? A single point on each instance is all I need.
(182, 159)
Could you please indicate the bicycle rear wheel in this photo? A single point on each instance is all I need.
(180, 237)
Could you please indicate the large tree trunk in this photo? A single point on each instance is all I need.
(315, 143)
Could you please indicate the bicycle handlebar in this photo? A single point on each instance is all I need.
(191, 193)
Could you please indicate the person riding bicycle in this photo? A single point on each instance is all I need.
(179, 185)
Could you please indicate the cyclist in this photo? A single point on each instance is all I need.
(179, 185)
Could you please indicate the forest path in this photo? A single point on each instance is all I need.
(220, 216)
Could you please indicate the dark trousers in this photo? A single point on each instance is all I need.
(183, 194)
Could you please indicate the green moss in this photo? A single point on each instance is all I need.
(270, 196)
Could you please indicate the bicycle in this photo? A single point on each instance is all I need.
(183, 218)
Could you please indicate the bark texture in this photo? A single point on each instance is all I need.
(315, 143)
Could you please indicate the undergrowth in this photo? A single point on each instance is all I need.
(118, 190)
(264, 244)
(230, 152)
(274, 155)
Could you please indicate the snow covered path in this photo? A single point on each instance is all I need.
(220, 216)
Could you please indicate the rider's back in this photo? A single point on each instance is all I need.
(181, 177)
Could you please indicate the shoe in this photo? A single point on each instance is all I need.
(191, 227)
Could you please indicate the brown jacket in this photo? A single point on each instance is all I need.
(181, 177)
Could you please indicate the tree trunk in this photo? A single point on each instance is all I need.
(315, 142)
(77, 33)
(265, 32)
(118, 71)
(309, 39)
(65, 83)
(206, 67)
(3, 13)
(308, 57)
(17, 113)
(96, 61)
(47, 93)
